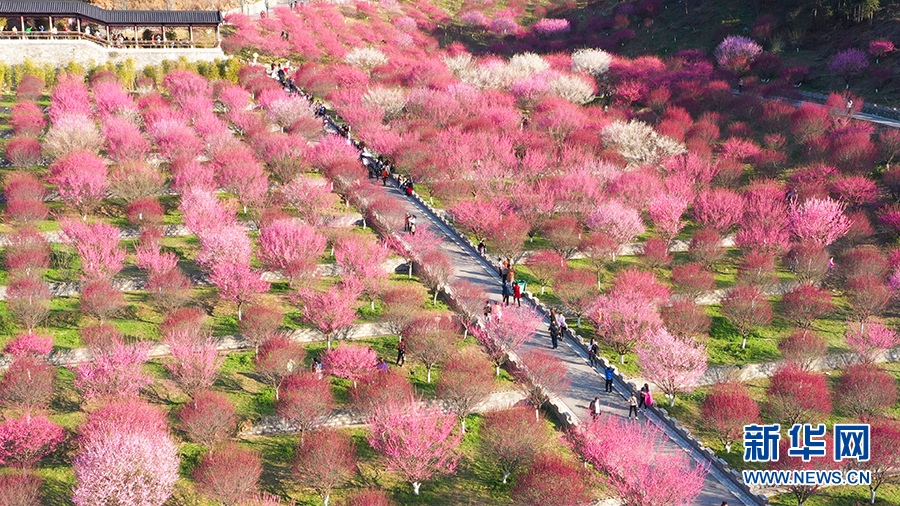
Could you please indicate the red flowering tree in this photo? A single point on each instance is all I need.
(228, 473)
(575, 287)
(685, 319)
(692, 279)
(866, 390)
(306, 401)
(726, 410)
(868, 296)
(28, 299)
(513, 438)
(797, 396)
(884, 457)
(431, 340)
(552, 481)
(24, 441)
(20, 489)
(805, 303)
(803, 348)
(541, 374)
(278, 357)
(208, 418)
(546, 265)
(787, 462)
(27, 384)
(465, 381)
(416, 440)
(325, 446)
(746, 308)
(507, 236)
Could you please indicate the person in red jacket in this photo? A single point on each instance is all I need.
(517, 294)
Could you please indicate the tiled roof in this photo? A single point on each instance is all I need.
(74, 8)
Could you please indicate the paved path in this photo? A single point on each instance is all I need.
(586, 383)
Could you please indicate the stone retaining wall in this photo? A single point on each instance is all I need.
(61, 52)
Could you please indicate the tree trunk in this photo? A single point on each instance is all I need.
(428, 374)
(373, 304)
(409, 270)
(579, 321)
(506, 475)
(728, 448)
(537, 414)
(328, 340)
(239, 312)
(364, 222)
(326, 499)
(871, 496)
(434, 302)
(621, 358)
(463, 424)
(671, 400)
(744, 342)
(416, 485)
(498, 370)
(542, 289)
(276, 392)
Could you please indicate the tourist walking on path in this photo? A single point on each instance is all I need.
(595, 408)
(506, 292)
(401, 353)
(517, 294)
(632, 406)
(609, 378)
(554, 333)
(593, 349)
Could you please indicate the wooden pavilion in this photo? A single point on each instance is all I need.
(72, 19)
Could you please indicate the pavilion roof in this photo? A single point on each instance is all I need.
(74, 8)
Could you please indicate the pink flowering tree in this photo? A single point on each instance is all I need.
(240, 173)
(675, 365)
(291, 247)
(870, 338)
(330, 311)
(848, 63)
(278, 357)
(718, 208)
(476, 215)
(576, 288)
(552, 481)
(363, 259)
(623, 224)
(541, 374)
(639, 469)
(116, 368)
(80, 178)
(228, 473)
(513, 438)
(416, 440)
(97, 245)
(818, 221)
(736, 53)
(879, 48)
(506, 332)
(237, 283)
(195, 359)
(208, 418)
(624, 320)
(24, 441)
(123, 463)
(666, 211)
(465, 381)
(352, 362)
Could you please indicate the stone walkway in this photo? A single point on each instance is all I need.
(585, 381)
